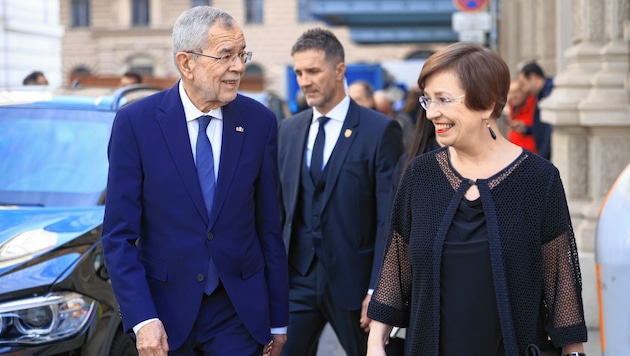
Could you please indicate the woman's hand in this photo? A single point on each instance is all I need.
(378, 338)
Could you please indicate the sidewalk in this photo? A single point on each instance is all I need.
(329, 346)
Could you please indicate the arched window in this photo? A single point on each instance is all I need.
(81, 70)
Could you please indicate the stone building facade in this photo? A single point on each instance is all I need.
(110, 45)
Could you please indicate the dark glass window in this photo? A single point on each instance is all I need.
(304, 11)
(140, 12)
(80, 16)
(254, 11)
(200, 3)
(143, 69)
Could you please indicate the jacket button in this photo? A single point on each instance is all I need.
(200, 277)
(210, 236)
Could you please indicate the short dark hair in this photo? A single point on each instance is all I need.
(135, 75)
(32, 78)
(483, 74)
(320, 39)
(532, 68)
(368, 90)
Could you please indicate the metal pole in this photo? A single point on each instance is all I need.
(494, 16)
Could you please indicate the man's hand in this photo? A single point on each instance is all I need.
(151, 340)
(274, 347)
(365, 321)
(517, 125)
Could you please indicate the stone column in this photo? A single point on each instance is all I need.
(604, 112)
(570, 140)
(572, 143)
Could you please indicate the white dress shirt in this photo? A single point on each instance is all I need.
(333, 129)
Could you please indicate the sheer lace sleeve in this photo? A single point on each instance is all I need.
(562, 278)
(391, 297)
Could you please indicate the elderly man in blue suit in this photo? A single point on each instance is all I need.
(336, 163)
(192, 234)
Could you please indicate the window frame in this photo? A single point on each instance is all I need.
(140, 13)
(79, 13)
(254, 11)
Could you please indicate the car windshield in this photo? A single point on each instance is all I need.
(53, 157)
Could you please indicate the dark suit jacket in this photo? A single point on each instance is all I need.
(356, 197)
(157, 236)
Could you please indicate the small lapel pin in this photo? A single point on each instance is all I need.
(347, 133)
(240, 129)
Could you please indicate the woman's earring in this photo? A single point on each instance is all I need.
(494, 136)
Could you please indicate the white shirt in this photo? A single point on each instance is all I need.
(333, 129)
(214, 130)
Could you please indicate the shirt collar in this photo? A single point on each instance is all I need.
(190, 110)
(338, 113)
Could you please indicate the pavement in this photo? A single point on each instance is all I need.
(329, 345)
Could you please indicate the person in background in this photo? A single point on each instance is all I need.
(384, 104)
(481, 257)
(336, 162)
(130, 78)
(35, 78)
(191, 233)
(411, 105)
(533, 81)
(361, 92)
(521, 107)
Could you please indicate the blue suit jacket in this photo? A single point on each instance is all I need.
(356, 199)
(157, 236)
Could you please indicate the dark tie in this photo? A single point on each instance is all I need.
(317, 156)
(205, 172)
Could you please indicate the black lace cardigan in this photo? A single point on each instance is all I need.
(533, 253)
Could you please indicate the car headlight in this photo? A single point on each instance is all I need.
(44, 319)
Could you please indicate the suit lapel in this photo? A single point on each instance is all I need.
(234, 131)
(172, 122)
(349, 132)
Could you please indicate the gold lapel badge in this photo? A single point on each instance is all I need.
(347, 133)
(240, 129)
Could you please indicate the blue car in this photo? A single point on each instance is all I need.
(55, 294)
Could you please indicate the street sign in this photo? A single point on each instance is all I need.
(471, 5)
(475, 36)
(464, 21)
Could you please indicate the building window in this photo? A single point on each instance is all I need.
(80, 13)
(254, 11)
(141, 64)
(140, 13)
(81, 70)
(304, 12)
(200, 3)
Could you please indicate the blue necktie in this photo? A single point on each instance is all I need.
(205, 172)
(317, 156)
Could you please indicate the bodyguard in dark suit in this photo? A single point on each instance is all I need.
(336, 162)
(192, 234)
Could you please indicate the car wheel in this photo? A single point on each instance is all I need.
(123, 345)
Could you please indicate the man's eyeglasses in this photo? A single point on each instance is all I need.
(439, 102)
(245, 57)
